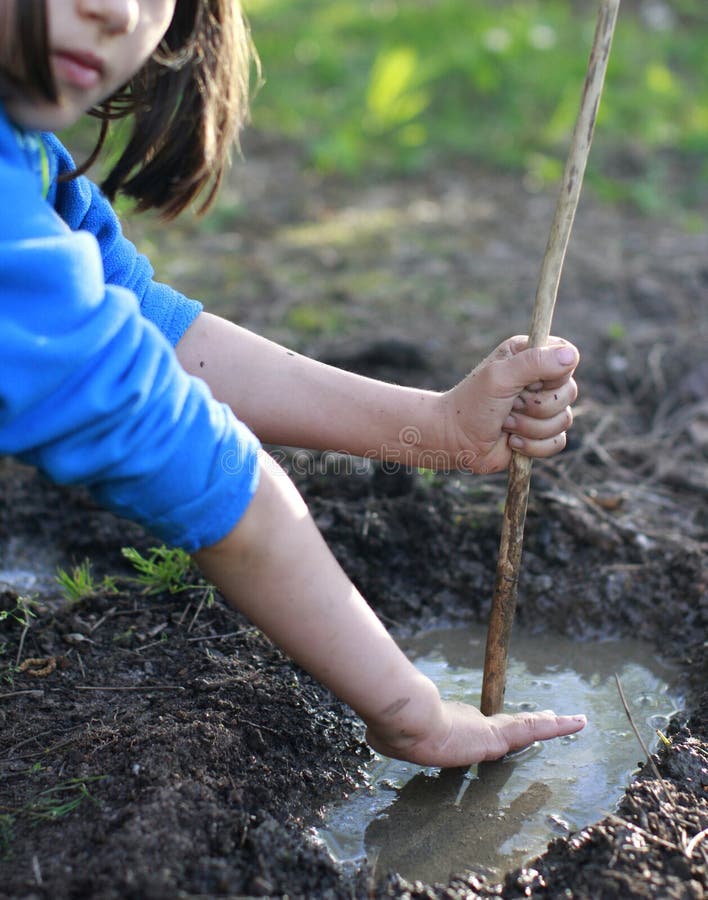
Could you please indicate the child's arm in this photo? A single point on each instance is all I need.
(275, 567)
(289, 399)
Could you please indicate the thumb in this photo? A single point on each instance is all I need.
(552, 363)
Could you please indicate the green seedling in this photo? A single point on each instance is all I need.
(427, 478)
(80, 584)
(662, 737)
(47, 806)
(616, 331)
(20, 613)
(58, 801)
(165, 570)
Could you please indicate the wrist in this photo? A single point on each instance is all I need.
(415, 717)
(421, 438)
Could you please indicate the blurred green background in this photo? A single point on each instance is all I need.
(401, 85)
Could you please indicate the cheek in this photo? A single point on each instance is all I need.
(160, 21)
(168, 12)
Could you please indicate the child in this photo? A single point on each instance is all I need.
(97, 377)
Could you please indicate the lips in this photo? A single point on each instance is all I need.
(78, 69)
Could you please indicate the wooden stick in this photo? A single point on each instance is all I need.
(507, 577)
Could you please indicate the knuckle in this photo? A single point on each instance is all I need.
(497, 744)
(536, 356)
(525, 731)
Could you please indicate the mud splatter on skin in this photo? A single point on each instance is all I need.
(396, 706)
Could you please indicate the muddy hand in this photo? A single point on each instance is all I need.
(518, 398)
(462, 736)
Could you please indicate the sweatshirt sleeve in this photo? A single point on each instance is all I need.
(82, 206)
(91, 392)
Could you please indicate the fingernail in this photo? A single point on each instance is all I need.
(519, 403)
(510, 422)
(580, 720)
(565, 355)
(516, 441)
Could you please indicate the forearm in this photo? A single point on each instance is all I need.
(288, 399)
(276, 568)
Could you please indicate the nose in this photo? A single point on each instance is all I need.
(115, 16)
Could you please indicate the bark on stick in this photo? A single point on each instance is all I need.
(508, 567)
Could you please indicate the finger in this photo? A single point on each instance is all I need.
(551, 364)
(538, 449)
(516, 731)
(548, 400)
(548, 385)
(538, 429)
(520, 342)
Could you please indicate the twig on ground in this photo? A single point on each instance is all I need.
(22, 643)
(695, 841)
(148, 646)
(670, 817)
(256, 725)
(638, 736)
(196, 614)
(146, 688)
(35, 737)
(103, 618)
(590, 443)
(618, 820)
(215, 637)
(561, 478)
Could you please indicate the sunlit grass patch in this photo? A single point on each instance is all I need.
(395, 85)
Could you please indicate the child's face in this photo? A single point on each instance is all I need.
(95, 46)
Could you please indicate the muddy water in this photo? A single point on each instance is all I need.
(29, 565)
(428, 824)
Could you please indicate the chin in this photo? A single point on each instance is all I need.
(43, 116)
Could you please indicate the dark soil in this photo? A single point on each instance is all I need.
(197, 756)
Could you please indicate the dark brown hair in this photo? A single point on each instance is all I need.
(188, 103)
(26, 49)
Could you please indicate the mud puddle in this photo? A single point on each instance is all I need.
(427, 824)
(27, 565)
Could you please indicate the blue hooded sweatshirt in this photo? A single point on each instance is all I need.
(91, 390)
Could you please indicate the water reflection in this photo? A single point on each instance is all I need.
(427, 824)
(439, 823)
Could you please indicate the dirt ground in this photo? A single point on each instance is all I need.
(197, 757)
